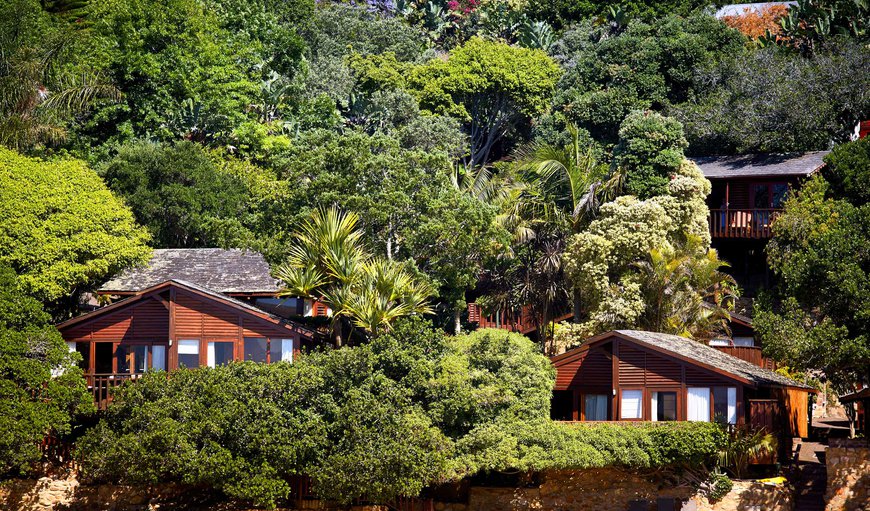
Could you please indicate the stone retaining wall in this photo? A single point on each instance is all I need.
(587, 490)
(848, 465)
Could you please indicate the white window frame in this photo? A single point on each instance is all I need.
(624, 405)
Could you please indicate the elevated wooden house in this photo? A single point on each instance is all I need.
(632, 375)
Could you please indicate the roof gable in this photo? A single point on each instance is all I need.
(200, 291)
(223, 270)
(696, 353)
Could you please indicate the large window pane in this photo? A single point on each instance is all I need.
(698, 404)
(188, 353)
(632, 400)
(664, 406)
(255, 349)
(725, 405)
(140, 358)
(220, 353)
(122, 354)
(596, 407)
(562, 405)
(281, 350)
(158, 357)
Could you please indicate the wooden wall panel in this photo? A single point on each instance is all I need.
(567, 374)
(144, 320)
(632, 364)
(696, 377)
(662, 371)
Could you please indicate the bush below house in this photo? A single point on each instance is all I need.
(412, 409)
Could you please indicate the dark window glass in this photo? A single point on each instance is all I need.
(562, 405)
(223, 353)
(667, 406)
(140, 358)
(720, 404)
(780, 191)
(124, 358)
(188, 353)
(255, 349)
(281, 350)
(761, 196)
(103, 357)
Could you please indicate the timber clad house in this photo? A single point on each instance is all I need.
(631, 375)
(165, 321)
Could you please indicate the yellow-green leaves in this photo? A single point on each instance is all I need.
(61, 228)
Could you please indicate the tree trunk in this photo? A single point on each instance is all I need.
(576, 297)
(337, 332)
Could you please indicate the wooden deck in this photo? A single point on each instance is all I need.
(742, 223)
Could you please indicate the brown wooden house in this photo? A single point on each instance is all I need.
(172, 324)
(632, 375)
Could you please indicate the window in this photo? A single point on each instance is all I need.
(158, 357)
(596, 407)
(720, 342)
(664, 406)
(630, 407)
(140, 358)
(744, 341)
(698, 404)
(562, 405)
(255, 349)
(281, 350)
(725, 405)
(220, 353)
(188, 353)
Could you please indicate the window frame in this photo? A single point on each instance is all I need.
(607, 399)
(678, 402)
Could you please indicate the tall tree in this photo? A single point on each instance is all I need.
(819, 250)
(61, 229)
(492, 87)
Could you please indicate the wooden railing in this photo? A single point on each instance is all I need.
(102, 385)
(303, 496)
(522, 322)
(742, 223)
(751, 354)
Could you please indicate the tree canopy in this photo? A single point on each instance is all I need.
(61, 229)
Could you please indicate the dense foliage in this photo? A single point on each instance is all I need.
(820, 318)
(41, 387)
(61, 229)
(410, 409)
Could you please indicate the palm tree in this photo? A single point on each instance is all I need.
(565, 187)
(685, 292)
(328, 262)
(37, 96)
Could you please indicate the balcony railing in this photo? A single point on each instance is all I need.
(101, 386)
(742, 223)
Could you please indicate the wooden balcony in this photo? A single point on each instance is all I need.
(102, 385)
(742, 223)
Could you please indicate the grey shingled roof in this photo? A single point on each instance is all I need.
(700, 352)
(761, 165)
(216, 269)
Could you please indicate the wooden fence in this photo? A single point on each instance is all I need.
(303, 497)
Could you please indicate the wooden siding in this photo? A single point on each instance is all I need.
(591, 369)
(197, 318)
(795, 411)
(143, 320)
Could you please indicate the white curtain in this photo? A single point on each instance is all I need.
(596, 407)
(654, 404)
(698, 401)
(210, 354)
(732, 405)
(189, 347)
(287, 350)
(631, 404)
(158, 357)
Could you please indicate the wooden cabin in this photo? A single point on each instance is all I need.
(632, 375)
(241, 274)
(173, 324)
(861, 400)
(749, 190)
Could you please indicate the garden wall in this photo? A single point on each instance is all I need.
(848, 465)
(592, 490)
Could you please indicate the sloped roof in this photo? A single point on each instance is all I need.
(704, 355)
(856, 396)
(238, 304)
(761, 165)
(217, 269)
